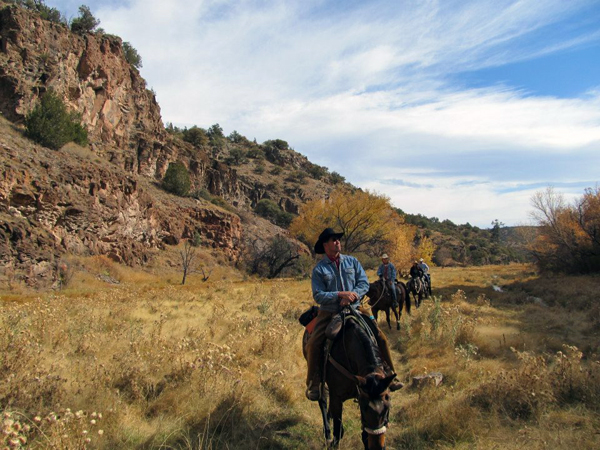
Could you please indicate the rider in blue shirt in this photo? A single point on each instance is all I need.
(337, 281)
(387, 273)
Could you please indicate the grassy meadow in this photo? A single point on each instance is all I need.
(150, 364)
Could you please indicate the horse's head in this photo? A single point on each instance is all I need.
(374, 401)
(375, 290)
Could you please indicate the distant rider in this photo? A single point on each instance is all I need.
(425, 268)
(416, 272)
(387, 273)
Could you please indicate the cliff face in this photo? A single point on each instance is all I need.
(106, 200)
(123, 118)
(101, 201)
(89, 72)
(69, 201)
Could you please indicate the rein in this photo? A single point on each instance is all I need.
(356, 378)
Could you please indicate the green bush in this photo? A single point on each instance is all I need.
(236, 157)
(336, 178)
(317, 172)
(202, 193)
(196, 136)
(131, 55)
(297, 176)
(219, 201)
(256, 153)
(177, 179)
(278, 144)
(86, 22)
(272, 212)
(236, 137)
(45, 12)
(51, 125)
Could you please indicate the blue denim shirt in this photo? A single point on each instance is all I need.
(391, 271)
(327, 281)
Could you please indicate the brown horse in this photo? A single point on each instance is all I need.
(354, 370)
(380, 299)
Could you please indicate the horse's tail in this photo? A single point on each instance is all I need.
(406, 295)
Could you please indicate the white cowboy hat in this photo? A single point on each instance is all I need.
(385, 256)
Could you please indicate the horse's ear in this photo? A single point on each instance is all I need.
(385, 383)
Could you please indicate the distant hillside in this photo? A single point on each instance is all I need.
(470, 245)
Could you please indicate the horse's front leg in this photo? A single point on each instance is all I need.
(398, 315)
(387, 318)
(335, 409)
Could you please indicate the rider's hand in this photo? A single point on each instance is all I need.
(347, 297)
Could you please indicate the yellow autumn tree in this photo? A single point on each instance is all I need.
(369, 223)
(400, 247)
(425, 250)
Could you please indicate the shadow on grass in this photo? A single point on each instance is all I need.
(231, 425)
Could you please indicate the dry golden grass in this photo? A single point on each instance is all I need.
(148, 363)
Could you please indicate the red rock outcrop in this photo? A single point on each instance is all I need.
(105, 202)
(89, 72)
(60, 202)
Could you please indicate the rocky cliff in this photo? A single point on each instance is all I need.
(121, 115)
(104, 199)
(69, 201)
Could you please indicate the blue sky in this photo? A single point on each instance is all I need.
(454, 109)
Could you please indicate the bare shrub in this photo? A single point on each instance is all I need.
(573, 381)
(63, 273)
(517, 393)
(568, 239)
(270, 259)
(189, 259)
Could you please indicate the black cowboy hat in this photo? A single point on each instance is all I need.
(324, 237)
